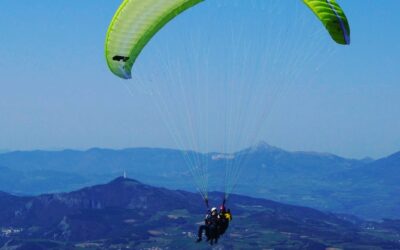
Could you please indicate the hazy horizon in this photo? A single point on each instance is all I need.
(260, 143)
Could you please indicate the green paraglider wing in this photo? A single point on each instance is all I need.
(133, 26)
(137, 21)
(333, 18)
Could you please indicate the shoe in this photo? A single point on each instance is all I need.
(198, 240)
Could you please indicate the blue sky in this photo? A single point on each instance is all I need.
(57, 92)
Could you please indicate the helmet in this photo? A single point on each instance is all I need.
(214, 209)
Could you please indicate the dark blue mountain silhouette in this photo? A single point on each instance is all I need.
(128, 214)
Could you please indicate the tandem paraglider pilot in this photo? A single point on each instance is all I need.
(215, 224)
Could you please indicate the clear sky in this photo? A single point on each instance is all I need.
(57, 92)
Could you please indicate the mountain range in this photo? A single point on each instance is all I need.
(126, 214)
(366, 188)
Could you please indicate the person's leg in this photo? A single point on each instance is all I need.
(200, 232)
(207, 229)
(212, 233)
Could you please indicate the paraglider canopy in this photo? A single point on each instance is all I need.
(137, 21)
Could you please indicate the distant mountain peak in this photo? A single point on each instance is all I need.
(122, 179)
(264, 146)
